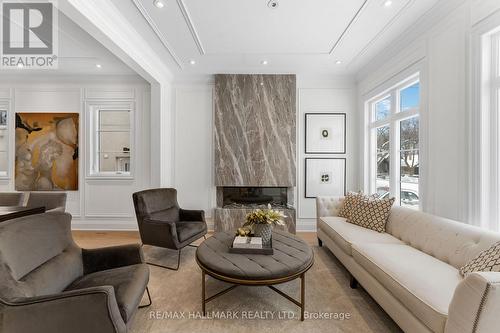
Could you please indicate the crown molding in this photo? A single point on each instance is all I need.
(346, 30)
(190, 24)
(158, 33)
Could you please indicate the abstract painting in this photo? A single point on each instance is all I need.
(325, 177)
(46, 151)
(325, 133)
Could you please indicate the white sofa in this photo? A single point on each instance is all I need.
(412, 269)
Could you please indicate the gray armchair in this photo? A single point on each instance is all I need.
(53, 202)
(164, 224)
(49, 284)
(11, 199)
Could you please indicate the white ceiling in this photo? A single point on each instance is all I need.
(300, 36)
(78, 53)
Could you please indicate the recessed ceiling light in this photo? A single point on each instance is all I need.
(158, 4)
(264, 62)
(338, 62)
(273, 4)
(98, 66)
(192, 62)
(388, 3)
(20, 65)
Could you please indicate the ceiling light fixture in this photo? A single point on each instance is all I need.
(388, 3)
(273, 4)
(338, 62)
(192, 62)
(264, 62)
(20, 65)
(158, 4)
(98, 66)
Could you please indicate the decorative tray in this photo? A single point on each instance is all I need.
(266, 249)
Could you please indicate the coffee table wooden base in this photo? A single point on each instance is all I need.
(268, 283)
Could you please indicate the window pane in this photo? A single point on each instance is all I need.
(114, 162)
(409, 163)
(112, 151)
(409, 179)
(410, 97)
(408, 132)
(383, 108)
(114, 120)
(383, 161)
(114, 142)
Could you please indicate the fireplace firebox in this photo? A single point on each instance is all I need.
(254, 197)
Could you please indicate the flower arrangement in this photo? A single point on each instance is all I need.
(267, 216)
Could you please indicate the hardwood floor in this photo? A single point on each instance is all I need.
(94, 239)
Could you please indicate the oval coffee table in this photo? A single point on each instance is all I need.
(292, 258)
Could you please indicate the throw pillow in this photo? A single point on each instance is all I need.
(372, 214)
(486, 261)
(351, 200)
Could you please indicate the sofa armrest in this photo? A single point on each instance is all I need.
(95, 260)
(191, 215)
(475, 306)
(77, 311)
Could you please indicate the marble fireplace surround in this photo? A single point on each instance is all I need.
(255, 140)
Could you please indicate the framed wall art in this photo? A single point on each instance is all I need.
(325, 133)
(325, 177)
(46, 151)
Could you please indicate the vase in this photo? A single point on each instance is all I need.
(265, 231)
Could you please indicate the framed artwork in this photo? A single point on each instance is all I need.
(325, 177)
(46, 151)
(325, 133)
(3, 118)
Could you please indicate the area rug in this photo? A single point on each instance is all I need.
(331, 305)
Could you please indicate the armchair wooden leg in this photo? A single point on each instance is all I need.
(167, 267)
(149, 298)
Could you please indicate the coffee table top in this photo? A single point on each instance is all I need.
(292, 257)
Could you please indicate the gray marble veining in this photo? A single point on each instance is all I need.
(232, 219)
(255, 130)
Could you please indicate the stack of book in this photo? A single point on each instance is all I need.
(241, 242)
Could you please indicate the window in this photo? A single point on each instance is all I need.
(4, 142)
(111, 143)
(394, 141)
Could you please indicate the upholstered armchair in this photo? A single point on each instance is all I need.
(164, 224)
(53, 202)
(49, 284)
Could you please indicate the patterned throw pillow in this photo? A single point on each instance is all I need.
(372, 214)
(350, 201)
(486, 261)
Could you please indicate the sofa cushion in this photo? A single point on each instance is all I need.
(452, 242)
(128, 282)
(371, 214)
(351, 200)
(486, 261)
(424, 284)
(345, 234)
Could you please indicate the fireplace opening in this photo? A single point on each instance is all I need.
(254, 197)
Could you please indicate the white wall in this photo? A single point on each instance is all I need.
(98, 204)
(194, 172)
(440, 43)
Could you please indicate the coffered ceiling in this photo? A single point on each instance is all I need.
(298, 36)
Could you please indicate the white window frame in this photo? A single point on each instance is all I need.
(5, 105)
(392, 120)
(93, 109)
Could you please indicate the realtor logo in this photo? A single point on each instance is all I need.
(29, 35)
